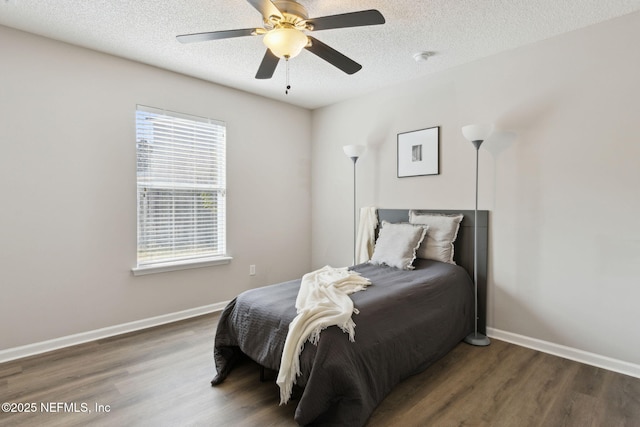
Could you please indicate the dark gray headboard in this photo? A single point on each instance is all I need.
(463, 248)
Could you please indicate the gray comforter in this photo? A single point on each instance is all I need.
(407, 321)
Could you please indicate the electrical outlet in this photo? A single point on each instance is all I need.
(252, 270)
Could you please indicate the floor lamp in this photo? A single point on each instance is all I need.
(476, 134)
(354, 152)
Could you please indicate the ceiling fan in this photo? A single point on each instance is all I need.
(285, 23)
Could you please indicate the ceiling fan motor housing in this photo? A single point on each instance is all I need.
(294, 14)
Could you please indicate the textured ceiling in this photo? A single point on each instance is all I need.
(456, 31)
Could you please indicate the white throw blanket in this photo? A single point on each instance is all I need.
(366, 237)
(323, 300)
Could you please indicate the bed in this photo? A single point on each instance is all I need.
(407, 320)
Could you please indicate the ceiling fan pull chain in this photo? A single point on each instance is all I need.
(286, 91)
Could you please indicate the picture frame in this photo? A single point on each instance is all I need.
(419, 152)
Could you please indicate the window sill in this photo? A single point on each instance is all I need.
(180, 265)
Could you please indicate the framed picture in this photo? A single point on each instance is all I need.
(418, 152)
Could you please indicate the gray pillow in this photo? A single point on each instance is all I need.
(397, 244)
(443, 230)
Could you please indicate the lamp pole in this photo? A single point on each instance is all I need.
(354, 152)
(476, 134)
(355, 209)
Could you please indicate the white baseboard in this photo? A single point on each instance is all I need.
(570, 353)
(70, 340)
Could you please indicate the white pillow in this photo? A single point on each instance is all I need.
(443, 230)
(397, 244)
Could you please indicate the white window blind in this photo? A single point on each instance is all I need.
(181, 187)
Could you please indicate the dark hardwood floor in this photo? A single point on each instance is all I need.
(160, 377)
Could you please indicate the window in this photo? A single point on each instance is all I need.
(181, 190)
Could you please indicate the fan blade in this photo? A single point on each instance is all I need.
(353, 19)
(266, 8)
(332, 56)
(216, 35)
(267, 66)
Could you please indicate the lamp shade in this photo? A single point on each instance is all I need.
(354, 150)
(477, 132)
(285, 42)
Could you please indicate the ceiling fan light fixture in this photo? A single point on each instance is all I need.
(285, 42)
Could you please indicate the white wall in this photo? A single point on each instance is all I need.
(560, 179)
(68, 188)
